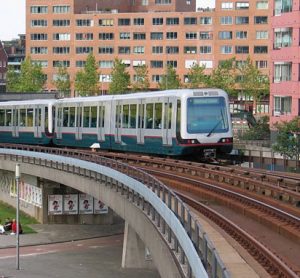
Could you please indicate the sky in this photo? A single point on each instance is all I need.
(12, 17)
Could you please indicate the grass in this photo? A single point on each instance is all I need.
(7, 211)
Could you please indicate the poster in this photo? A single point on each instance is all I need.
(86, 205)
(71, 204)
(100, 207)
(55, 204)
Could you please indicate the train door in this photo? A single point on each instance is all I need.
(118, 122)
(167, 122)
(37, 122)
(79, 116)
(15, 122)
(100, 122)
(141, 123)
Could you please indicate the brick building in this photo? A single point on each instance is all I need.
(151, 32)
(3, 67)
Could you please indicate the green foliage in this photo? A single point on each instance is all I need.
(30, 79)
(7, 211)
(142, 83)
(261, 131)
(252, 82)
(287, 141)
(197, 78)
(223, 77)
(120, 78)
(86, 80)
(170, 80)
(62, 82)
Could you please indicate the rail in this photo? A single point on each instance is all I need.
(192, 248)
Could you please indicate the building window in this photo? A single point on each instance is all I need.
(124, 50)
(124, 21)
(157, 50)
(39, 23)
(106, 64)
(61, 22)
(171, 35)
(260, 49)
(61, 37)
(156, 78)
(61, 9)
(39, 37)
(138, 21)
(58, 63)
(205, 36)
(191, 36)
(241, 35)
(240, 63)
(80, 64)
(39, 50)
(263, 64)
(282, 71)
(84, 50)
(283, 37)
(190, 49)
(205, 20)
(162, 2)
(190, 21)
(226, 49)
(84, 22)
(124, 36)
(39, 9)
(106, 36)
(139, 49)
(225, 35)
(156, 36)
(172, 49)
(242, 20)
(139, 36)
(42, 63)
(205, 49)
(260, 20)
(283, 6)
(242, 5)
(282, 105)
(226, 20)
(207, 64)
(156, 64)
(106, 50)
(61, 50)
(157, 21)
(241, 49)
(262, 5)
(106, 22)
(172, 64)
(84, 36)
(172, 21)
(262, 35)
(227, 6)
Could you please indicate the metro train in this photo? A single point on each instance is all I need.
(171, 122)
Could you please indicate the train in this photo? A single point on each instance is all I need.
(171, 122)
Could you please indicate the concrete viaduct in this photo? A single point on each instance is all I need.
(154, 217)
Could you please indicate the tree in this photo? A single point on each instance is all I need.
(142, 81)
(252, 82)
(223, 77)
(196, 77)
(120, 78)
(170, 80)
(260, 131)
(30, 79)
(287, 141)
(86, 80)
(62, 80)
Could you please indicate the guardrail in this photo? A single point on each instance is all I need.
(171, 217)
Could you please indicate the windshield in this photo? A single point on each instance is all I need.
(207, 115)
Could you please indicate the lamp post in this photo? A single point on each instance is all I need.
(17, 216)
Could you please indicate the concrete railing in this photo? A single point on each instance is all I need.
(184, 235)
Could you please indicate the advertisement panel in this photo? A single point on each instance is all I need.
(71, 204)
(100, 207)
(55, 204)
(86, 205)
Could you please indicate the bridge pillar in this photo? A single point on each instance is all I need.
(135, 254)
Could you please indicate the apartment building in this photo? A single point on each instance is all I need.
(3, 67)
(152, 32)
(285, 61)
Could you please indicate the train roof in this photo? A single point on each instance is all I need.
(28, 102)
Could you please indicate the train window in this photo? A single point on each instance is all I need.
(46, 117)
(149, 115)
(101, 116)
(23, 117)
(178, 115)
(59, 116)
(8, 118)
(38, 117)
(125, 116)
(65, 116)
(86, 116)
(118, 116)
(2, 117)
(132, 123)
(30, 117)
(158, 115)
(72, 117)
(93, 116)
(15, 117)
(168, 115)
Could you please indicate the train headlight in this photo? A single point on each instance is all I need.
(226, 140)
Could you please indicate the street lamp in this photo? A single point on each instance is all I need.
(17, 216)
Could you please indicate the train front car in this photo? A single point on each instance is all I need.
(26, 122)
(206, 128)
